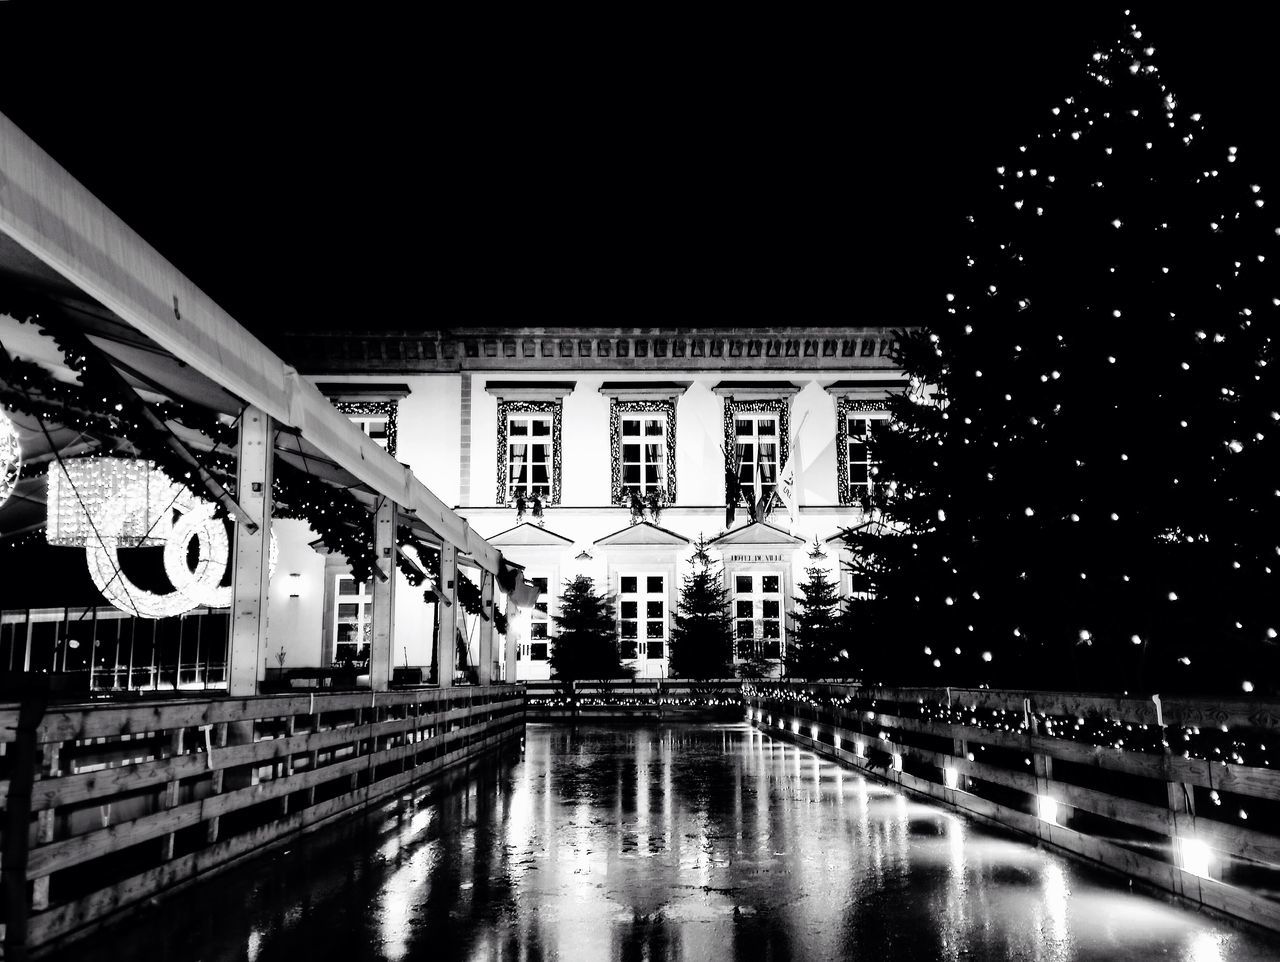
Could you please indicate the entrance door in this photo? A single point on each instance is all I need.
(642, 620)
(757, 610)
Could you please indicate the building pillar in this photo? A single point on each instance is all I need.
(486, 663)
(250, 571)
(447, 616)
(384, 596)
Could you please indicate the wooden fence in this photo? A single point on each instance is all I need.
(108, 805)
(656, 698)
(1179, 795)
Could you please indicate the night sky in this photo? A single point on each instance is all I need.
(365, 172)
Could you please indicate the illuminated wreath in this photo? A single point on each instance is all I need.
(10, 457)
(193, 588)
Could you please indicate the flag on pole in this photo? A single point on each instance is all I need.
(788, 490)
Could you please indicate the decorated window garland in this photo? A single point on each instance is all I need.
(664, 408)
(505, 410)
(376, 409)
(846, 407)
(779, 407)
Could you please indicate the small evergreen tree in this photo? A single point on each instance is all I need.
(816, 641)
(702, 639)
(586, 645)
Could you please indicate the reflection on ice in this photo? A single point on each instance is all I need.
(667, 842)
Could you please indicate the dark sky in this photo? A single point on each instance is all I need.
(366, 172)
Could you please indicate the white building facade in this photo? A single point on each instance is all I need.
(609, 453)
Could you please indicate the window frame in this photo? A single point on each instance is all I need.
(363, 599)
(846, 408)
(533, 409)
(735, 410)
(656, 409)
(757, 596)
(362, 412)
(643, 598)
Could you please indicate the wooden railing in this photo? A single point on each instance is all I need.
(108, 805)
(1179, 795)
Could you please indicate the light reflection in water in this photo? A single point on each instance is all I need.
(662, 842)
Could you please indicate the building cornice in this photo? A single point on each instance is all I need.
(781, 348)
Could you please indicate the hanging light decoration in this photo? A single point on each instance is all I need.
(99, 498)
(104, 504)
(10, 456)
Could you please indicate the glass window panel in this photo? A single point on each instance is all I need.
(378, 430)
(769, 584)
(769, 608)
(746, 476)
(628, 648)
(350, 610)
(655, 649)
(540, 584)
(747, 452)
(628, 629)
(653, 609)
(347, 586)
(651, 474)
(770, 649)
(653, 428)
(630, 609)
(538, 651)
(539, 474)
(767, 426)
(745, 629)
(769, 629)
(654, 584)
(743, 584)
(541, 427)
(540, 606)
(631, 454)
(630, 427)
(858, 472)
(745, 609)
(538, 629)
(743, 428)
(518, 427)
(628, 585)
(656, 629)
(631, 474)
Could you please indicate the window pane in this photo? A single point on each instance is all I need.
(655, 629)
(769, 629)
(538, 629)
(539, 474)
(651, 475)
(541, 427)
(630, 609)
(857, 472)
(744, 428)
(769, 608)
(744, 609)
(628, 648)
(767, 426)
(654, 584)
(538, 651)
(518, 427)
(745, 629)
(743, 584)
(769, 584)
(541, 453)
(628, 585)
(350, 611)
(628, 630)
(631, 474)
(656, 649)
(540, 584)
(653, 609)
(631, 454)
(540, 606)
(653, 428)
(347, 586)
(630, 427)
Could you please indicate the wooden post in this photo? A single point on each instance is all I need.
(249, 558)
(384, 597)
(509, 649)
(13, 853)
(447, 616)
(172, 790)
(486, 663)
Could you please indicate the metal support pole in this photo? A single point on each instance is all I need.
(447, 616)
(384, 597)
(486, 663)
(249, 558)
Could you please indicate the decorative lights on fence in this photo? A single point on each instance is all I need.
(1194, 856)
(1047, 809)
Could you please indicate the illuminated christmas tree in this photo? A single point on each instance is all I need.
(586, 644)
(1078, 490)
